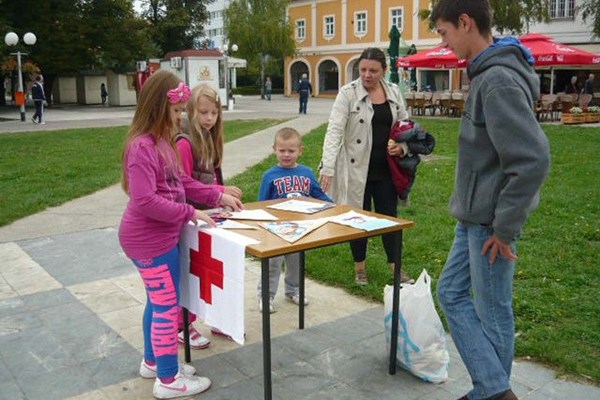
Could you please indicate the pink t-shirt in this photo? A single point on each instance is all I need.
(156, 211)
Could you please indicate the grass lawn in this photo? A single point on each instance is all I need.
(557, 278)
(45, 169)
(558, 275)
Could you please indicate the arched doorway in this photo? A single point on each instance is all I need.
(328, 77)
(296, 70)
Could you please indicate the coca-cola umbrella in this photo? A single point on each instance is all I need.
(548, 53)
(438, 57)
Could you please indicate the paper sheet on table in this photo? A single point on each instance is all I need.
(302, 206)
(255, 215)
(293, 230)
(362, 221)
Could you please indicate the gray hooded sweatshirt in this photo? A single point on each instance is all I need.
(503, 154)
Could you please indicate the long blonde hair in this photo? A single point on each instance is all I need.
(207, 146)
(152, 114)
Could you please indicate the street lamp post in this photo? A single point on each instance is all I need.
(229, 89)
(12, 39)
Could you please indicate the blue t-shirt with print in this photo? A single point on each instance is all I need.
(281, 183)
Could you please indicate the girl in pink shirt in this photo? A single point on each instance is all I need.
(151, 224)
(200, 147)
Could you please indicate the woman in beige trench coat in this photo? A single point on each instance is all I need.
(353, 167)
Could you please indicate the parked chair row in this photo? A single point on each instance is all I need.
(449, 104)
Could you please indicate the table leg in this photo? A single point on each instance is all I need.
(302, 294)
(266, 328)
(186, 335)
(395, 301)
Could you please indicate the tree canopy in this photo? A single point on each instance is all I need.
(259, 28)
(590, 11)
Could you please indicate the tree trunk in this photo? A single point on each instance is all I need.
(262, 76)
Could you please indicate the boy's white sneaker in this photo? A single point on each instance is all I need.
(149, 371)
(182, 386)
(295, 298)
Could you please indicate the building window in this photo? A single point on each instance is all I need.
(396, 15)
(360, 23)
(300, 29)
(329, 26)
(561, 9)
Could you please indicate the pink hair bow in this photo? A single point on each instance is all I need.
(180, 94)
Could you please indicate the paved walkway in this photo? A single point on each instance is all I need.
(71, 306)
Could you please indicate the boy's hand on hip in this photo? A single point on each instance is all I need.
(494, 246)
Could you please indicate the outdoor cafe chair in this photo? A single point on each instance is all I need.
(445, 104)
(584, 100)
(419, 106)
(458, 104)
(410, 101)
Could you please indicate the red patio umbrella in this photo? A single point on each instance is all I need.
(438, 57)
(550, 53)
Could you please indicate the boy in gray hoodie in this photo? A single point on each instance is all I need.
(503, 159)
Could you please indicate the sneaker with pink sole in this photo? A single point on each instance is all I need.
(182, 386)
(149, 371)
(197, 341)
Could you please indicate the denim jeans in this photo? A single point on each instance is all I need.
(481, 325)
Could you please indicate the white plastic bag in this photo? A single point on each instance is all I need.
(421, 335)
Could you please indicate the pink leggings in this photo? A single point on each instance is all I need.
(161, 280)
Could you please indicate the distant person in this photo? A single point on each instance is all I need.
(103, 93)
(588, 87)
(152, 222)
(39, 98)
(572, 87)
(268, 88)
(502, 161)
(287, 147)
(304, 90)
(200, 147)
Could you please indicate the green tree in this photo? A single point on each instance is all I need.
(176, 24)
(261, 30)
(590, 10)
(76, 35)
(511, 16)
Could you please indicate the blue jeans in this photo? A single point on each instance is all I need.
(481, 325)
(303, 103)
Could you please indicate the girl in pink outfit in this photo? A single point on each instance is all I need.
(200, 147)
(152, 222)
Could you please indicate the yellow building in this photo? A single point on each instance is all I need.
(331, 34)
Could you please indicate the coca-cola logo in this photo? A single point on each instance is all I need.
(548, 58)
(441, 52)
(565, 49)
(596, 60)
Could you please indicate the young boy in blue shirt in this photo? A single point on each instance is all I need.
(287, 179)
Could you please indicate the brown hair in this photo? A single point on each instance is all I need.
(287, 133)
(207, 146)
(375, 54)
(152, 114)
(450, 11)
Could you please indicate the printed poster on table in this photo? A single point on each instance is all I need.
(293, 230)
(362, 221)
(212, 277)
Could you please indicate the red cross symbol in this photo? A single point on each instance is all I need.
(205, 267)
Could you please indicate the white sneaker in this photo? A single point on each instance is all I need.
(42, 123)
(271, 308)
(295, 298)
(197, 341)
(182, 386)
(149, 371)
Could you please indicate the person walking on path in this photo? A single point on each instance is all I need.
(287, 179)
(304, 91)
(39, 98)
(268, 88)
(200, 147)
(503, 160)
(103, 93)
(354, 168)
(152, 222)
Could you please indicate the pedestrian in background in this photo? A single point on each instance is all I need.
(39, 99)
(304, 90)
(268, 88)
(103, 93)
(503, 159)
